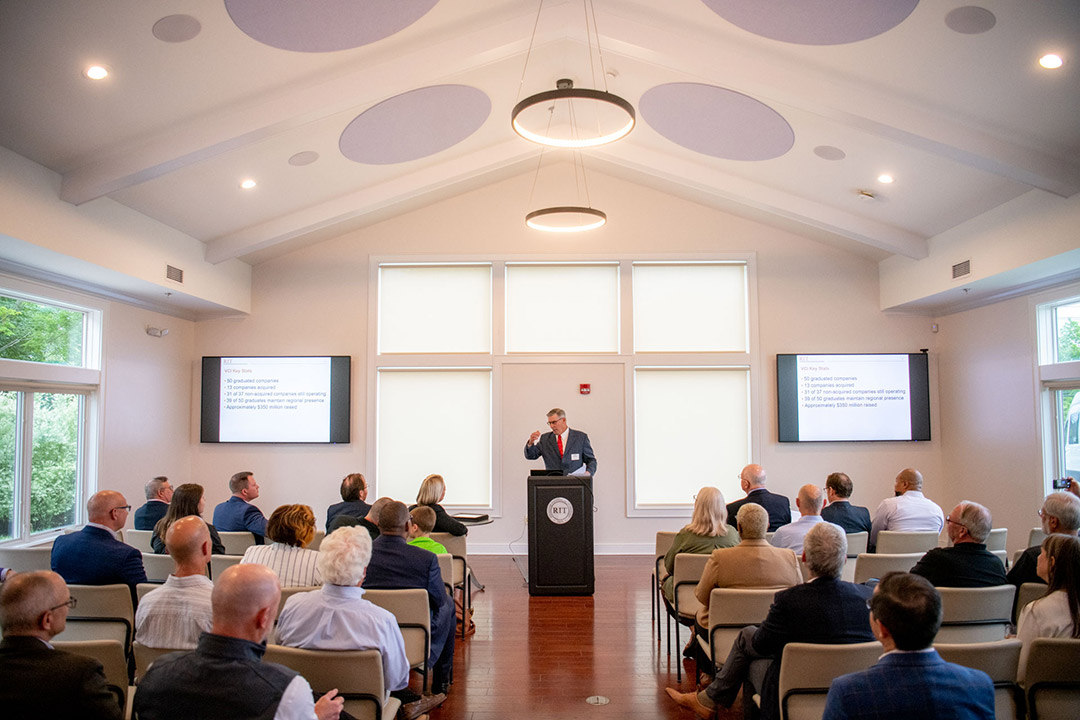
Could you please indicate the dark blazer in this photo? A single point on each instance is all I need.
(444, 522)
(853, 518)
(778, 507)
(148, 515)
(1024, 569)
(827, 611)
(237, 515)
(36, 681)
(355, 508)
(911, 685)
(577, 443)
(963, 565)
(216, 546)
(93, 556)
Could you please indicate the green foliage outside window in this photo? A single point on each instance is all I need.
(40, 333)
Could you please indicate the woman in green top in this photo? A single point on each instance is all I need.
(707, 531)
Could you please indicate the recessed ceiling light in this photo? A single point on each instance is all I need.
(885, 178)
(1051, 61)
(97, 72)
(247, 184)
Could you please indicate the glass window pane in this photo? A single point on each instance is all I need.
(40, 333)
(415, 411)
(562, 308)
(690, 308)
(8, 442)
(435, 309)
(1067, 331)
(54, 468)
(691, 428)
(1069, 432)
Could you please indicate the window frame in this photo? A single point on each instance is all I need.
(1050, 377)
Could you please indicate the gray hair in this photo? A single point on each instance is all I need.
(557, 412)
(825, 547)
(753, 521)
(977, 519)
(344, 556)
(1066, 508)
(153, 487)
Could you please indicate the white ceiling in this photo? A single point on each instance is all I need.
(964, 121)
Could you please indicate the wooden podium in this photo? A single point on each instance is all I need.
(560, 535)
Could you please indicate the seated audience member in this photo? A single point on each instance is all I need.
(93, 556)
(708, 530)
(36, 680)
(225, 676)
(910, 680)
(809, 502)
(752, 481)
(967, 563)
(369, 522)
(396, 564)
(337, 617)
(1060, 514)
(175, 614)
(353, 496)
(824, 610)
(423, 522)
(187, 500)
(909, 510)
(158, 494)
(839, 510)
(291, 529)
(1056, 614)
(237, 514)
(432, 491)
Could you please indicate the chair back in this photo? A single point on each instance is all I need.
(892, 542)
(1003, 556)
(1052, 675)
(288, 592)
(1036, 536)
(1000, 660)
(688, 569)
(218, 563)
(976, 614)
(357, 675)
(158, 567)
(664, 540)
(143, 588)
(1028, 593)
(139, 539)
(875, 565)
(410, 607)
(112, 657)
(27, 559)
(807, 670)
(456, 545)
(732, 609)
(857, 543)
(102, 612)
(145, 657)
(236, 542)
(446, 570)
(997, 538)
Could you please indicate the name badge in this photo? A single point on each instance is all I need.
(575, 456)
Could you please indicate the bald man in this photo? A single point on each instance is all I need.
(225, 676)
(752, 481)
(810, 500)
(174, 615)
(37, 680)
(909, 510)
(93, 556)
(967, 562)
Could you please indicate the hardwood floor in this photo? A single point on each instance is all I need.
(541, 657)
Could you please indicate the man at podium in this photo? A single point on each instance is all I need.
(564, 450)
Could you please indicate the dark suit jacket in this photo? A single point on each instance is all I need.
(216, 546)
(1024, 569)
(445, 523)
(826, 611)
(912, 685)
(147, 516)
(236, 515)
(38, 682)
(778, 507)
(93, 556)
(852, 518)
(577, 443)
(355, 508)
(963, 565)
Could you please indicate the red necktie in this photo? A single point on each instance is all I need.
(559, 438)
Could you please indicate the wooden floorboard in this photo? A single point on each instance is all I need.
(541, 657)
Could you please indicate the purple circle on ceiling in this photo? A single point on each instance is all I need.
(415, 124)
(717, 122)
(814, 22)
(324, 25)
(970, 20)
(176, 28)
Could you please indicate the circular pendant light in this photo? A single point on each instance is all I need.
(566, 219)
(569, 117)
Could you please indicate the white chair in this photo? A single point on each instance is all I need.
(1036, 536)
(1052, 675)
(317, 540)
(143, 588)
(139, 539)
(1000, 661)
(101, 612)
(683, 609)
(357, 675)
(158, 567)
(457, 546)
(1001, 555)
(410, 607)
(111, 655)
(997, 539)
(807, 670)
(974, 615)
(1026, 594)
(730, 610)
(446, 570)
(288, 592)
(218, 563)
(236, 542)
(145, 657)
(875, 565)
(891, 542)
(664, 541)
(857, 543)
(27, 559)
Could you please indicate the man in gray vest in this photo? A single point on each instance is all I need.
(225, 676)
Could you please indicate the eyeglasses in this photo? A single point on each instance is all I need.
(71, 603)
(123, 507)
(950, 520)
(553, 422)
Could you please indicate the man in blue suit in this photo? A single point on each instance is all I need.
(93, 556)
(396, 564)
(237, 514)
(840, 511)
(752, 482)
(563, 449)
(353, 499)
(910, 680)
(158, 494)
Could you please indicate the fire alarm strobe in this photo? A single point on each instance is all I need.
(584, 388)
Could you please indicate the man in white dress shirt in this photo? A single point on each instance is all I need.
(909, 511)
(174, 615)
(810, 500)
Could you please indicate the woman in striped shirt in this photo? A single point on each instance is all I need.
(289, 529)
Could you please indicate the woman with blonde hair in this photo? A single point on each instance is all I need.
(187, 500)
(708, 530)
(1056, 614)
(290, 529)
(432, 491)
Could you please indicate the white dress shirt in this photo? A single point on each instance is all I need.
(1047, 617)
(297, 702)
(791, 535)
(910, 512)
(294, 566)
(175, 614)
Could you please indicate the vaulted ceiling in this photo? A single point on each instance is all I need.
(347, 111)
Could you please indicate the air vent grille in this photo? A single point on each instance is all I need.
(177, 275)
(961, 269)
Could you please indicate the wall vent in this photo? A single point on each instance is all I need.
(961, 269)
(177, 275)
